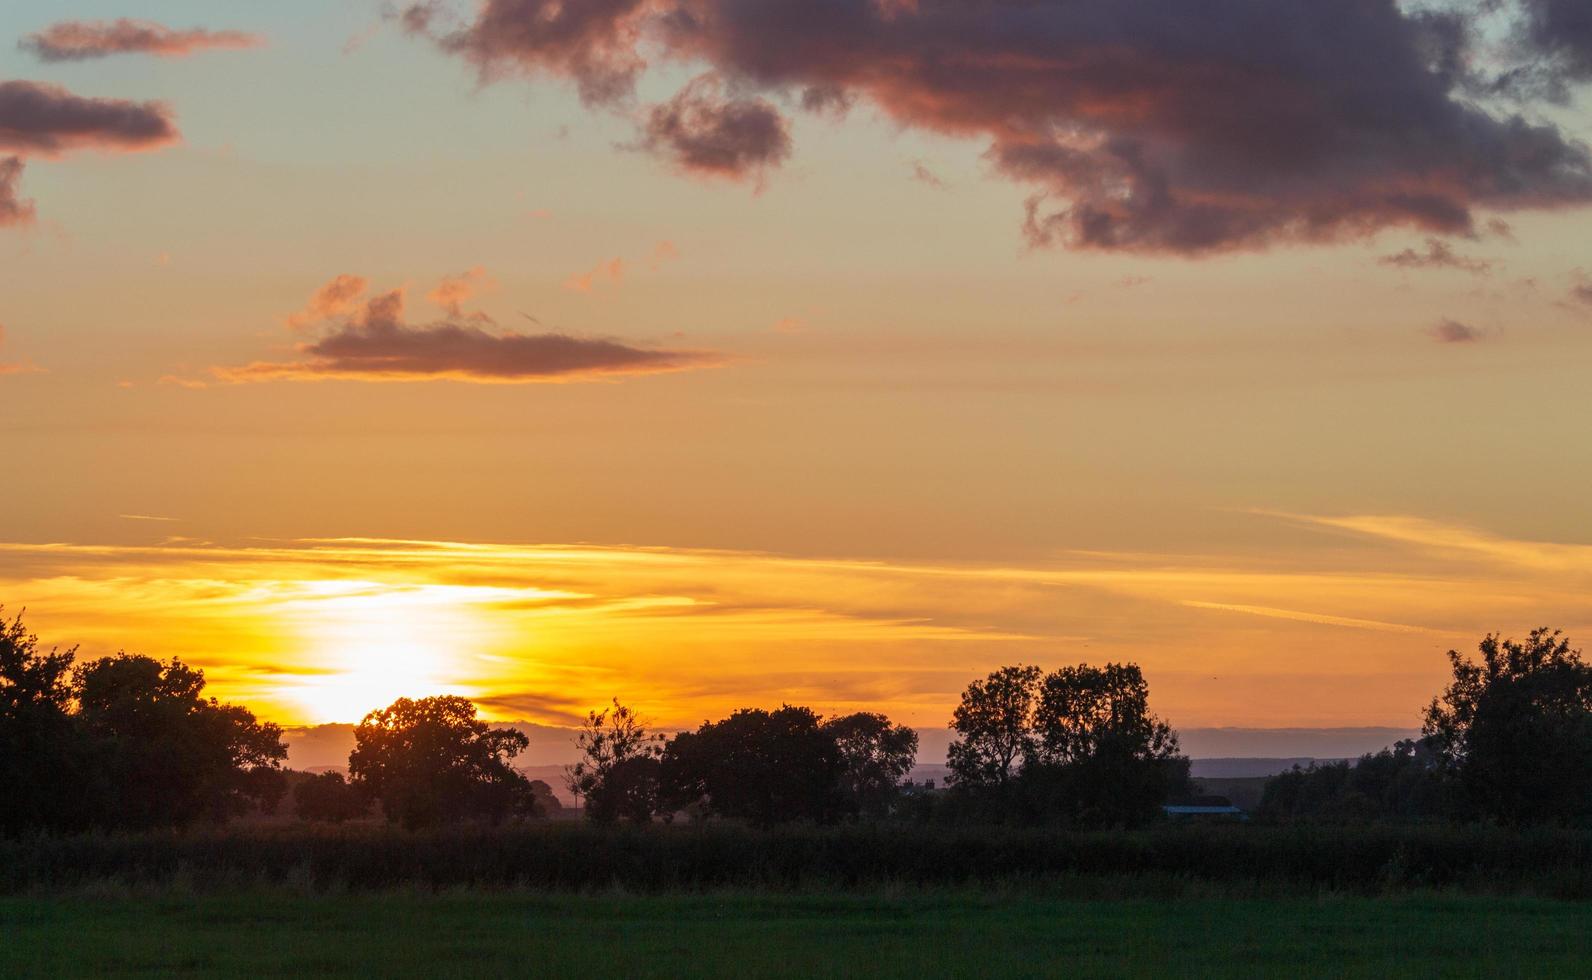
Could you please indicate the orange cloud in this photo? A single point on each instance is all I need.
(453, 291)
(612, 271)
(19, 367)
(337, 298)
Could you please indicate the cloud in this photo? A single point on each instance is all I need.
(1581, 287)
(77, 40)
(1438, 255)
(339, 297)
(706, 134)
(1153, 126)
(593, 43)
(46, 120)
(924, 175)
(16, 367)
(372, 343)
(1557, 34)
(1454, 332)
(453, 291)
(613, 270)
(662, 253)
(13, 209)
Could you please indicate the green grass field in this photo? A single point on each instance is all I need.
(913, 935)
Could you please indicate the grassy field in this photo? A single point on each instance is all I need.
(965, 934)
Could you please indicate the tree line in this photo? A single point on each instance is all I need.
(131, 742)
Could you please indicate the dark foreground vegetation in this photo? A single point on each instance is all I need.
(920, 935)
(571, 857)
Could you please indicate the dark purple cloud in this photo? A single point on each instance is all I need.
(1438, 254)
(1177, 126)
(78, 40)
(46, 120)
(1560, 32)
(1454, 332)
(593, 42)
(704, 133)
(13, 209)
(374, 344)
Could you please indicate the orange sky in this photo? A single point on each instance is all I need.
(838, 407)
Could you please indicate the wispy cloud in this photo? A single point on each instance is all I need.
(1438, 254)
(78, 40)
(323, 628)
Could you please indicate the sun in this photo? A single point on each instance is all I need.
(366, 644)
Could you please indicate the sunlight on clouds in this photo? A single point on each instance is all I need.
(326, 630)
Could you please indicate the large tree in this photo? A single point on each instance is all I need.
(995, 725)
(164, 753)
(875, 756)
(1102, 758)
(432, 761)
(765, 767)
(41, 759)
(1516, 729)
(617, 773)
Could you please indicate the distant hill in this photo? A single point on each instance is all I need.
(1217, 752)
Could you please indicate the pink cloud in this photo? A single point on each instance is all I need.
(77, 40)
(14, 210)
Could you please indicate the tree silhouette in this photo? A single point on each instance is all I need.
(328, 798)
(765, 767)
(42, 764)
(875, 756)
(167, 755)
(432, 761)
(1516, 728)
(617, 774)
(995, 722)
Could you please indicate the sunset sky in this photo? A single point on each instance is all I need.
(715, 353)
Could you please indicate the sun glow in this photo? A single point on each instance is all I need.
(369, 643)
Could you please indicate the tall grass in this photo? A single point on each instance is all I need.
(1555, 863)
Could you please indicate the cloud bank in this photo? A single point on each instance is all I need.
(1156, 126)
(78, 40)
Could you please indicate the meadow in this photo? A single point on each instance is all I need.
(1027, 933)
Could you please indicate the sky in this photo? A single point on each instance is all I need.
(715, 353)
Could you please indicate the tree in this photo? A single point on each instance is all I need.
(765, 767)
(432, 762)
(995, 722)
(41, 758)
(327, 797)
(617, 774)
(875, 756)
(1516, 729)
(1101, 757)
(165, 754)
(1403, 783)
